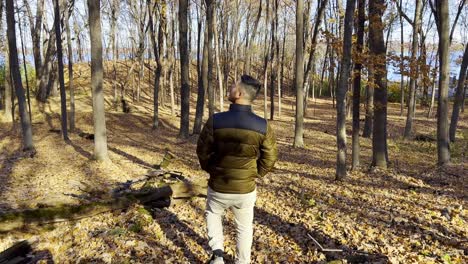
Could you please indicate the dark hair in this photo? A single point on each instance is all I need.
(251, 86)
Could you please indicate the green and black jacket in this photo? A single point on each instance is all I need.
(236, 147)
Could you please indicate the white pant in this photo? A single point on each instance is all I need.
(242, 206)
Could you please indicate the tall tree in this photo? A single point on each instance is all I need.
(402, 54)
(8, 95)
(100, 132)
(157, 50)
(114, 14)
(28, 96)
(184, 70)
(36, 29)
(16, 76)
(299, 78)
(459, 95)
(63, 97)
(378, 53)
(197, 125)
(71, 88)
(443, 28)
(414, 66)
(357, 81)
(250, 38)
(342, 89)
(5, 97)
(210, 25)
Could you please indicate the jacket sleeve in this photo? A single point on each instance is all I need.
(205, 146)
(268, 153)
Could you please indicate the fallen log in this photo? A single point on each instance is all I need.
(19, 219)
(16, 253)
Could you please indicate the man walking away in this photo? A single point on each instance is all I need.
(235, 148)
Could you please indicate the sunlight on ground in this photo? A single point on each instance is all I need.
(410, 213)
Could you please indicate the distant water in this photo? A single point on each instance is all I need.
(393, 73)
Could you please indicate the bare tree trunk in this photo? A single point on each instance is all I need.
(273, 51)
(36, 29)
(443, 21)
(299, 78)
(77, 31)
(115, 7)
(197, 125)
(157, 50)
(281, 83)
(357, 82)
(218, 65)
(172, 68)
(414, 71)
(28, 96)
(8, 102)
(6, 99)
(341, 91)
(15, 72)
(70, 67)
(431, 106)
(45, 84)
(63, 96)
(210, 25)
(265, 62)
(100, 132)
(321, 5)
(184, 70)
(459, 95)
(250, 39)
(378, 53)
(402, 54)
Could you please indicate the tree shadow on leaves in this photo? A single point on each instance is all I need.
(176, 230)
(299, 234)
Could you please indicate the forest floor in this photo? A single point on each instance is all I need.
(413, 212)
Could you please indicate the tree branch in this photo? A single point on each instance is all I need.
(411, 22)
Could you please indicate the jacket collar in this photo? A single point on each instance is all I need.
(240, 108)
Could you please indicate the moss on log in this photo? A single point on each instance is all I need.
(18, 219)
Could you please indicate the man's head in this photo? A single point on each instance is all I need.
(245, 90)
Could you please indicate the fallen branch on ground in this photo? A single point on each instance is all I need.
(18, 219)
(322, 248)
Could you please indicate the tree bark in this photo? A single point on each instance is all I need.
(157, 50)
(28, 96)
(8, 96)
(341, 91)
(250, 39)
(15, 73)
(218, 66)
(70, 67)
(313, 44)
(100, 132)
(402, 54)
(299, 78)
(115, 8)
(459, 95)
(210, 25)
(63, 97)
(378, 53)
(197, 125)
(357, 82)
(46, 70)
(413, 71)
(443, 21)
(36, 29)
(17, 219)
(184, 70)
